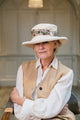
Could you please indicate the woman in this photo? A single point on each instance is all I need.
(43, 86)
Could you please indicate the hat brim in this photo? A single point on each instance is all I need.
(44, 38)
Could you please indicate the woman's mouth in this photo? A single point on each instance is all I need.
(42, 52)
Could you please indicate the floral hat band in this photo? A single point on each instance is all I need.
(43, 32)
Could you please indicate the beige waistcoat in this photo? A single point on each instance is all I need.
(30, 78)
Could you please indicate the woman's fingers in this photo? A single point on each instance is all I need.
(14, 94)
(64, 110)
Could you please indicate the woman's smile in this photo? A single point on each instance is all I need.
(42, 51)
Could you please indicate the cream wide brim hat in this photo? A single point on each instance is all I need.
(39, 38)
(42, 38)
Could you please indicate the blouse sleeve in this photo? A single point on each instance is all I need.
(19, 83)
(18, 110)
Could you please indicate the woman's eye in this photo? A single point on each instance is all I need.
(46, 42)
(37, 44)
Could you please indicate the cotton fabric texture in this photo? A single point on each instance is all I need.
(55, 98)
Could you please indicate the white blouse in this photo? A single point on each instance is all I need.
(44, 108)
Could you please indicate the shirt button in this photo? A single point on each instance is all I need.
(40, 88)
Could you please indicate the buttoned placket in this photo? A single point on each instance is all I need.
(40, 78)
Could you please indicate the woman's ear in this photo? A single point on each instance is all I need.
(55, 46)
(56, 43)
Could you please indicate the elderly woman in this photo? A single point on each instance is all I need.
(43, 86)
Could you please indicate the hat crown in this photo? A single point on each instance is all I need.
(44, 29)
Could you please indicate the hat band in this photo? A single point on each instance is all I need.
(43, 32)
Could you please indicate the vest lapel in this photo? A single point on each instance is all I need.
(47, 84)
(29, 79)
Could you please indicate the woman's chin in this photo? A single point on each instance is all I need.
(43, 57)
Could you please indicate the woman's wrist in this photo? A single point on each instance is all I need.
(20, 100)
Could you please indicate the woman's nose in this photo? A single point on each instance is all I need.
(41, 45)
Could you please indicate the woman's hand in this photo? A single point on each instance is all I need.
(64, 110)
(14, 95)
(16, 98)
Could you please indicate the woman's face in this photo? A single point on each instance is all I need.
(45, 50)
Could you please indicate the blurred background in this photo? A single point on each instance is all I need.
(16, 21)
(17, 17)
